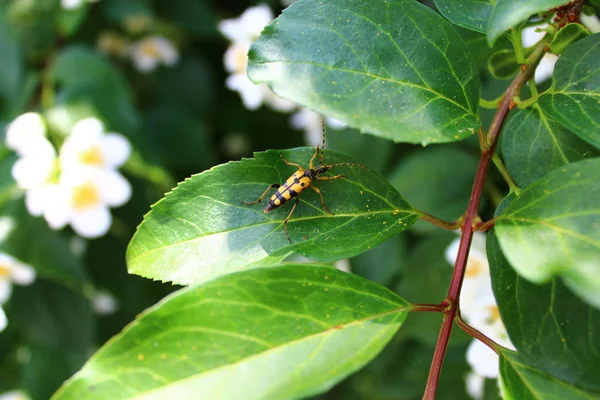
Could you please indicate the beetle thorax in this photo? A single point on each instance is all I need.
(312, 173)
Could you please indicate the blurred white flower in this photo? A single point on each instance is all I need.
(475, 385)
(3, 323)
(343, 265)
(89, 146)
(14, 395)
(82, 199)
(529, 37)
(7, 224)
(23, 133)
(310, 122)
(242, 32)
(72, 4)
(151, 51)
(591, 22)
(113, 44)
(104, 303)
(36, 166)
(13, 271)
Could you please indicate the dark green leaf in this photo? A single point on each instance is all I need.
(10, 67)
(575, 93)
(553, 329)
(354, 143)
(436, 180)
(470, 14)
(566, 36)
(285, 332)
(395, 69)
(69, 21)
(551, 229)
(383, 263)
(196, 17)
(502, 64)
(202, 230)
(523, 382)
(533, 145)
(509, 13)
(86, 76)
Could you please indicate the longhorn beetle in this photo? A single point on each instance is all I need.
(299, 181)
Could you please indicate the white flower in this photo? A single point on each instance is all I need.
(151, 51)
(3, 323)
(13, 271)
(247, 28)
(23, 133)
(73, 4)
(14, 395)
(36, 166)
(104, 303)
(530, 36)
(82, 198)
(483, 360)
(591, 22)
(475, 385)
(7, 224)
(89, 146)
(310, 122)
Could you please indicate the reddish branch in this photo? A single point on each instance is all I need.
(470, 220)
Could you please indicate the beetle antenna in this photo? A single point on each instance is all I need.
(323, 139)
(351, 164)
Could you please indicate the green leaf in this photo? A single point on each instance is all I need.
(566, 36)
(86, 76)
(533, 145)
(10, 68)
(575, 93)
(523, 382)
(354, 143)
(285, 332)
(502, 64)
(470, 14)
(202, 230)
(551, 229)
(395, 69)
(509, 13)
(383, 263)
(553, 329)
(436, 180)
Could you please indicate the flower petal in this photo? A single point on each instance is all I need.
(482, 359)
(114, 188)
(116, 149)
(252, 95)
(57, 209)
(92, 223)
(3, 320)
(23, 133)
(23, 274)
(5, 290)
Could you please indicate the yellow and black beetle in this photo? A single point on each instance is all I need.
(299, 181)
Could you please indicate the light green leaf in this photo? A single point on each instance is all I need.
(574, 98)
(523, 382)
(552, 328)
(533, 145)
(470, 14)
(276, 333)
(509, 13)
(502, 64)
(202, 230)
(566, 36)
(551, 229)
(10, 68)
(393, 68)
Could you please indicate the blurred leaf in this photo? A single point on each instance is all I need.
(303, 327)
(382, 263)
(407, 81)
(195, 16)
(436, 180)
(202, 230)
(573, 98)
(85, 76)
(10, 68)
(478, 46)
(354, 143)
(552, 329)
(502, 64)
(533, 145)
(551, 229)
(523, 382)
(470, 14)
(69, 21)
(55, 326)
(178, 138)
(509, 13)
(566, 36)
(118, 10)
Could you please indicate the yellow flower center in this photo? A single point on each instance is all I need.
(474, 268)
(494, 314)
(4, 271)
(85, 196)
(150, 49)
(92, 156)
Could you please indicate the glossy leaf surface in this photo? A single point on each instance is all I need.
(395, 69)
(553, 329)
(533, 145)
(551, 229)
(509, 13)
(575, 93)
(202, 230)
(276, 333)
(470, 14)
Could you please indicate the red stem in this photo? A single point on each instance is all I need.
(470, 217)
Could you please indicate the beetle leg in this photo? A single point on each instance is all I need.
(275, 185)
(290, 164)
(287, 235)
(316, 189)
(310, 164)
